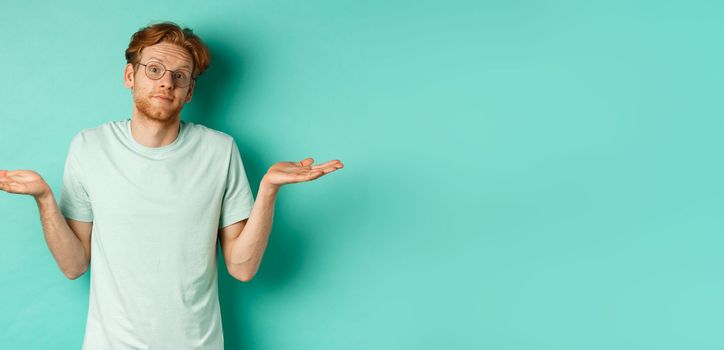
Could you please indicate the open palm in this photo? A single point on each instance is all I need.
(22, 182)
(283, 173)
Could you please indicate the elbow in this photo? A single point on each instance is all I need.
(71, 275)
(241, 275)
(244, 277)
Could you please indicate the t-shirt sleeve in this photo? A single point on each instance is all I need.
(238, 199)
(74, 200)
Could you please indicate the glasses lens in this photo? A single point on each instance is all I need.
(181, 78)
(154, 70)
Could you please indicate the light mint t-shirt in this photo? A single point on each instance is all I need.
(156, 214)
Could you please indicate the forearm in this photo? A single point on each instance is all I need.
(248, 248)
(65, 246)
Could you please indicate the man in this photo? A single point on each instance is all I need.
(148, 196)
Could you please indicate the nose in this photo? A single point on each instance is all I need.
(167, 80)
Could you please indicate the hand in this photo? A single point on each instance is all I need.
(283, 173)
(23, 182)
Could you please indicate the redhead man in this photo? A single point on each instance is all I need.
(150, 196)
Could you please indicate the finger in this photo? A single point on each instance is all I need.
(12, 178)
(307, 172)
(331, 164)
(315, 172)
(297, 165)
(329, 170)
(312, 176)
(321, 165)
(306, 161)
(6, 179)
(12, 188)
(310, 173)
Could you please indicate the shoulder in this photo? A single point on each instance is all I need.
(91, 140)
(209, 136)
(97, 133)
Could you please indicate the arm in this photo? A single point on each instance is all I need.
(69, 241)
(243, 243)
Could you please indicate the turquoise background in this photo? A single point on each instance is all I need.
(518, 175)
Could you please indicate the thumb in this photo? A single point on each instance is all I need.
(307, 161)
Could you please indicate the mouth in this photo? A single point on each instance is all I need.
(163, 98)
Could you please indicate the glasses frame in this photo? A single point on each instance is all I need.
(145, 70)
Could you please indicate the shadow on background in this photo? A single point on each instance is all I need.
(227, 82)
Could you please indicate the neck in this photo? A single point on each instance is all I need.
(154, 133)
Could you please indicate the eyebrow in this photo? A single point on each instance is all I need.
(158, 59)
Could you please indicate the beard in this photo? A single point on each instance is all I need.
(158, 114)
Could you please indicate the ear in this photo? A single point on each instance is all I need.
(128, 74)
(190, 93)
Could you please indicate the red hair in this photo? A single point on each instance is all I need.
(169, 32)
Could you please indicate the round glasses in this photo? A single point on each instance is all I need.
(156, 70)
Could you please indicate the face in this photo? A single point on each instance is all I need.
(160, 100)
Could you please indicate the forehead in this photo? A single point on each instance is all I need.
(168, 54)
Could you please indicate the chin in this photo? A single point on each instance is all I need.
(164, 115)
(158, 113)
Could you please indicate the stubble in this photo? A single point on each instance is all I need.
(155, 113)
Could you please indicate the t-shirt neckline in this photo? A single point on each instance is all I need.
(156, 150)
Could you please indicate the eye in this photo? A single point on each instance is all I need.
(180, 76)
(154, 68)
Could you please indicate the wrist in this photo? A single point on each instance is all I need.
(45, 197)
(267, 188)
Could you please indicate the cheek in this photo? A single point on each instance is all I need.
(183, 96)
(138, 86)
(137, 93)
(141, 93)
